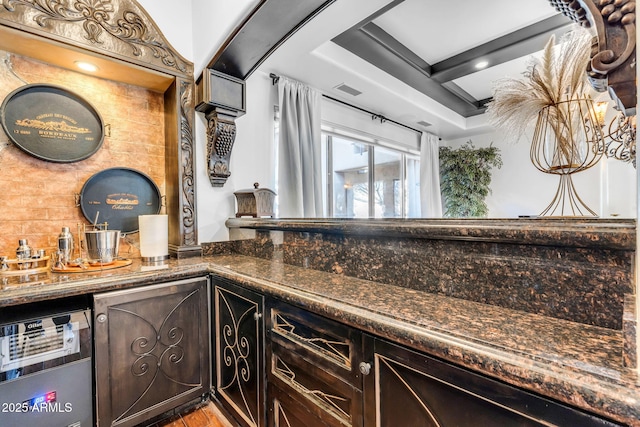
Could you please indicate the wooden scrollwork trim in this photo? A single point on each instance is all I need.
(613, 59)
(119, 29)
(189, 233)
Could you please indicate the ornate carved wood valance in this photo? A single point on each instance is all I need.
(119, 29)
(613, 58)
(123, 35)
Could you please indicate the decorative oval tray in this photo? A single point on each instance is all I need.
(15, 267)
(117, 196)
(51, 123)
(88, 268)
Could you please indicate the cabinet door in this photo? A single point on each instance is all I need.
(410, 390)
(239, 357)
(151, 350)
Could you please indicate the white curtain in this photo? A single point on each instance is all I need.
(430, 199)
(299, 151)
(413, 188)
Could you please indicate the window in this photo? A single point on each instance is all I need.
(362, 178)
(365, 180)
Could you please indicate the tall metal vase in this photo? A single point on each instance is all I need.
(567, 139)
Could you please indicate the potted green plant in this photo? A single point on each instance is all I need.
(465, 179)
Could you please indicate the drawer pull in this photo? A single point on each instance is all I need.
(365, 368)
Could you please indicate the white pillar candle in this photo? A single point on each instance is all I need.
(154, 237)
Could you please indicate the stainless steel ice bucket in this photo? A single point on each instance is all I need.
(102, 245)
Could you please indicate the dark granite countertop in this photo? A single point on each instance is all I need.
(575, 232)
(574, 363)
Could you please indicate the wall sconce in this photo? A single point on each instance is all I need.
(619, 135)
(600, 109)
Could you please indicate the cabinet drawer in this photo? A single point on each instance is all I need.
(288, 411)
(325, 343)
(319, 390)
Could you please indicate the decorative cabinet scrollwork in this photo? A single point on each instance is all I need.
(239, 358)
(331, 397)
(151, 350)
(337, 349)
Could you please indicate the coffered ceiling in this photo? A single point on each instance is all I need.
(415, 61)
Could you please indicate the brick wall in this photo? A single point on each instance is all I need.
(38, 198)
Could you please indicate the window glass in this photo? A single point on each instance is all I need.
(350, 160)
(387, 192)
(367, 180)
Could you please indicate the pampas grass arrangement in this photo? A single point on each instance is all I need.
(554, 93)
(559, 75)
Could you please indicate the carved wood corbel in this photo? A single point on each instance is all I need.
(613, 58)
(222, 99)
(221, 134)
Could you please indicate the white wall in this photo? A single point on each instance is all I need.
(518, 188)
(204, 26)
(213, 22)
(252, 160)
(166, 15)
(197, 28)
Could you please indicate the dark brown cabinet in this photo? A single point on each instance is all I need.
(407, 388)
(151, 350)
(238, 342)
(319, 372)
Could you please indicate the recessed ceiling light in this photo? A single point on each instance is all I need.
(481, 64)
(86, 66)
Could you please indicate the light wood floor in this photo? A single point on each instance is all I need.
(204, 416)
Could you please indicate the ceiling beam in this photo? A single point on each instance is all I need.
(376, 46)
(401, 67)
(270, 24)
(514, 45)
(385, 39)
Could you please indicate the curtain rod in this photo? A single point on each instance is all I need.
(374, 116)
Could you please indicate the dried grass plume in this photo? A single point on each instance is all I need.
(559, 75)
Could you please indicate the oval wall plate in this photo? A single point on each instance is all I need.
(118, 196)
(51, 123)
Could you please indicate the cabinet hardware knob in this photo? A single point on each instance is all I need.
(365, 368)
(101, 318)
(257, 316)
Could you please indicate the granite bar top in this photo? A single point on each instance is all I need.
(578, 232)
(570, 362)
(17, 290)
